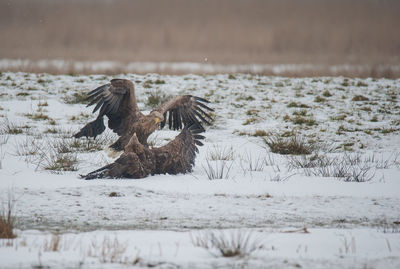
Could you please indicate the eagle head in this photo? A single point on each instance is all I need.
(157, 116)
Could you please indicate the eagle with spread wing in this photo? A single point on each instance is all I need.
(138, 161)
(117, 101)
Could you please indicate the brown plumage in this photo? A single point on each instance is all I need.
(117, 101)
(138, 161)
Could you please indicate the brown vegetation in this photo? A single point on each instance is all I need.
(225, 31)
(294, 145)
(7, 219)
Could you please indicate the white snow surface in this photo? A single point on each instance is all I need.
(296, 219)
(66, 66)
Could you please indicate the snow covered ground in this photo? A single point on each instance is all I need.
(336, 207)
(89, 67)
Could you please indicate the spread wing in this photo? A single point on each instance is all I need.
(185, 110)
(115, 100)
(178, 155)
(139, 161)
(108, 99)
(127, 165)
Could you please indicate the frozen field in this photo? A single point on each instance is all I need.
(336, 206)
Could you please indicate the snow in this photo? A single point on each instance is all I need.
(297, 220)
(321, 248)
(65, 66)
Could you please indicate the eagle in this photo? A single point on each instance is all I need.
(117, 101)
(139, 161)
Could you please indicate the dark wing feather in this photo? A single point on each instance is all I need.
(99, 173)
(127, 165)
(99, 104)
(109, 97)
(185, 110)
(138, 161)
(115, 100)
(92, 129)
(178, 155)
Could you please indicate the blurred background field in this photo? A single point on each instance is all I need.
(361, 36)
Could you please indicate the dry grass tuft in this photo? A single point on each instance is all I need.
(360, 98)
(54, 244)
(58, 162)
(7, 218)
(8, 127)
(110, 251)
(293, 145)
(259, 133)
(219, 169)
(221, 153)
(349, 167)
(249, 162)
(227, 244)
(76, 98)
(48, 154)
(156, 98)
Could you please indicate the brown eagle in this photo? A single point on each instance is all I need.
(138, 161)
(117, 101)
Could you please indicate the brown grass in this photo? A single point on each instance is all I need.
(110, 251)
(53, 244)
(294, 145)
(7, 219)
(237, 243)
(224, 31)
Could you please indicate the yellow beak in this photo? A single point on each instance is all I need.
(157, 120)
(134, 134)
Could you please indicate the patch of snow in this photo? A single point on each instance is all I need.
(351, 224)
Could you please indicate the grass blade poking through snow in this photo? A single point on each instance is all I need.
(7, 218)
(227, 244)
(219, 169)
